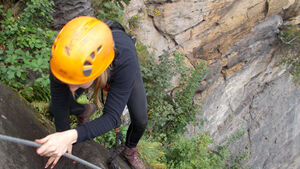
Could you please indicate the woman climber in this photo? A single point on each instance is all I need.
(86, 53)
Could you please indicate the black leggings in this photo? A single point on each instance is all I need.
(137, 106)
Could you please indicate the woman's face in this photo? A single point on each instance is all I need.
(73, 88)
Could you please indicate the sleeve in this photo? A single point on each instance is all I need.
(59, 103)
(122, 82)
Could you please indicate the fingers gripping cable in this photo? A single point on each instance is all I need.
(33, 144)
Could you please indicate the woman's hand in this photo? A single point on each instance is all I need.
(56, 144)
(54, 158)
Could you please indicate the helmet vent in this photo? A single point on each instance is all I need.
(87, 71)
(86, 63)
(67, 50)
(55, 42)
(92, 55)
(98, 49)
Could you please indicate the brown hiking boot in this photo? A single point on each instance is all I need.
(132, 157)
(85, 116)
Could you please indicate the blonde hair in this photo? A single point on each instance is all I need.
(99, 83)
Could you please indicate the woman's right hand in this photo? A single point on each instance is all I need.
(56, 144)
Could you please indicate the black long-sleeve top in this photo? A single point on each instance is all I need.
(124, 69)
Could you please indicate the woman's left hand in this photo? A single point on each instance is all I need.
(55, 145)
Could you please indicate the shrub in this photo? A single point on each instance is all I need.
(110, 11)
(193, 153)
(152, 152)
(199, 152)
(133, 22)
(26, 46)
(108, 140)
(98, 4)
(169, 115)
(290, 37)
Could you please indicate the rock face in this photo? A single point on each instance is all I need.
(19, 120)
(245, 88)
(204, 29)
(66, 10)
(260, 98)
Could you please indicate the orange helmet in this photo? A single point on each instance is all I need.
(82, 50)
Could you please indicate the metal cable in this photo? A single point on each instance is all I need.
(34, 144)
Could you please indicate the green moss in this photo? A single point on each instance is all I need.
(290, 38)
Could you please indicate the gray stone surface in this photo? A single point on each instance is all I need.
(17, 119)
(66, 10)
(260, 98)
(273, 125)
(174, 19)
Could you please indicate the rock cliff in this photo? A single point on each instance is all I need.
(245, 88)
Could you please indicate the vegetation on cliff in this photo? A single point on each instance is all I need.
(290, 37)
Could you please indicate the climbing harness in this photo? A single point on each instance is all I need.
(119, 143)
(118, 148)
(36, 145)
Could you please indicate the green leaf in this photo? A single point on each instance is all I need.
(11, 75)
(18, 74)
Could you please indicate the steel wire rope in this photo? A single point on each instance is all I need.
(36, 145)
